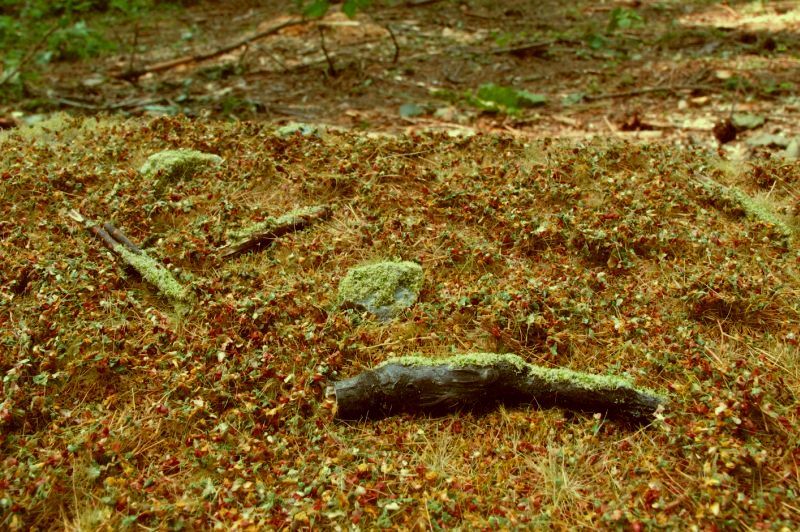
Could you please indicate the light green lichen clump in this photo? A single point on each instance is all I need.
(384, 288)
(585, 381)
(174, 165)
(154, 273)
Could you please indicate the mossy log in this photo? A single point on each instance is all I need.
(480, 382)
(264, 233)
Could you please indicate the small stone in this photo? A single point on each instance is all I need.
(747, 121)
(384, 289)
(299, 127)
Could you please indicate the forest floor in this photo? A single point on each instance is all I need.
(636, 70)
(605, 228)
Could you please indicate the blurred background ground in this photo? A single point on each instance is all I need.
(635, 69)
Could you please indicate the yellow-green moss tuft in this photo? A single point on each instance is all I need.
(174, 165)
(295, 216)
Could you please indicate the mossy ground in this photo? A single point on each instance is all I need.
(598, 256)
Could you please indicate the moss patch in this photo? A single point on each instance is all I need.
(384, 288)
(174, 165)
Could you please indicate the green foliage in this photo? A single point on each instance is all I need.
(509, 100)
(318, 8)
(622, 18)
(36, 33)
(73, 42)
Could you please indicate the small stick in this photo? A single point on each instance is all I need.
(527, 47)
(331, 66)
(172, 63)
(274, 228)
(396, 45)
(133, 46)
(107, 239)
(149, 268)
(645, 90)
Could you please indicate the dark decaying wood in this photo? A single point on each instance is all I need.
(439, 389)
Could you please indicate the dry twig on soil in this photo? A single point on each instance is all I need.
(135, 74)
(264, 233)
(646, 90)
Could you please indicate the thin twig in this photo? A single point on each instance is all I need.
(151, 270)
(125, 104)
(522, 48)
(331, 66)
(107, 239)
(288, 223)
(167, 65)
(420, 3)
(396, 45)
(133, 46)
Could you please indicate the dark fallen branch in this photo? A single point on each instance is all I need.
(420, 3)
(150, 269)
(264, 233)
(132, 75)
(479, 382)
(396, 56)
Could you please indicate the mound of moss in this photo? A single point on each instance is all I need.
(174, 165)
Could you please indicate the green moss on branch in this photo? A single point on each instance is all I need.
(154, 273)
